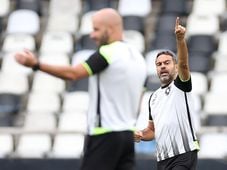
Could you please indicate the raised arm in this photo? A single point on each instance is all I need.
(182, 52)
(28, 59)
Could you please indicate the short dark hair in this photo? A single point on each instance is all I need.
(168, 52)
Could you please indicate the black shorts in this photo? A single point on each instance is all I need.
(185, 161)
(110, 151)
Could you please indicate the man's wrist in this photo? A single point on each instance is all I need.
(141, 135)
(36, 66)
(180, 39)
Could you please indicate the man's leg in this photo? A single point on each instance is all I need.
(108, 152)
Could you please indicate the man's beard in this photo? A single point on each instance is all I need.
(104, 39)
(166, 79)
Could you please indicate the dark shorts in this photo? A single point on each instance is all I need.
(185, 161)
(110, 151)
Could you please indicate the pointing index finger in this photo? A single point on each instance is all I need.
(177, 22)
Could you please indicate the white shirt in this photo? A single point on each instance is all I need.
(121, 84)
(172, 111)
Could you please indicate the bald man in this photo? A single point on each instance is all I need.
(117, 75)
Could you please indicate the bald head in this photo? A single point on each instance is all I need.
(109, 16)
(107, 26)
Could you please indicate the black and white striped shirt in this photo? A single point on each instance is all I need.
(172, 110)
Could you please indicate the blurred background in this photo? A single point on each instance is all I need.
(43, 118)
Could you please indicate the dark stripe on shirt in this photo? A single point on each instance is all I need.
(189, 116)
(149, 107)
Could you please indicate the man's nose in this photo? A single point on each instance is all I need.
(163, 65)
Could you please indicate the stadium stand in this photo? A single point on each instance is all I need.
(33, 5)
(37, 109)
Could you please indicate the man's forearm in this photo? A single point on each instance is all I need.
(64, 72)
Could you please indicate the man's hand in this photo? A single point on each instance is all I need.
(26, 58)
(138, 136)
(179, 30)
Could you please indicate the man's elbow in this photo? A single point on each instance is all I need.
(71, 76)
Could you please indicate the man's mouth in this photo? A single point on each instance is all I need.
(164, 73)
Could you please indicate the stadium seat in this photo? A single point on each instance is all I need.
(34, 5)
(135, 38)
(199, 83)
(128, 7)
(84, 42)
(10, 103)
(135, 23)
(215, 103)
(166, 23)
(18, 42)
(57, 42)
(43, 82)
(86, 23)
(207, 143)
(202, 43)
(55, 58)
(6, 145)
(1, 25)
(8, 81)
(73, 121)
(63, 23)
(33, 146)
(198, 112)
(77, 85)
(197, 23)
(10, 106)
(40, 122)
(220, 63)
(75, 101)
(94, 5)
(68, 146)
(208, 7)
(23, 21)
(10, 65)
(177, 7)
(4, 8)
(223, 21)
(45, 102)
(7, 120)
(216, 120)
(163, 40)
(72, 7)
(216, 83)
(222, 50)
(199, 62)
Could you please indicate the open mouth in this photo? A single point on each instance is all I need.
(164, 73)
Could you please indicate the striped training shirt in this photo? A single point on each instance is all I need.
(172, 110)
